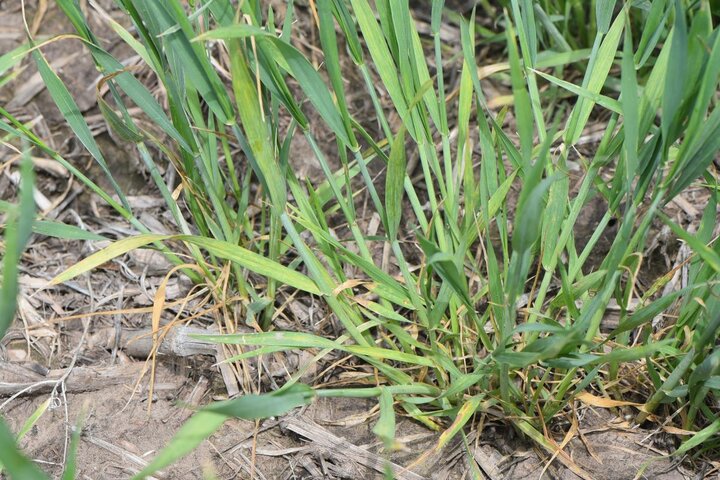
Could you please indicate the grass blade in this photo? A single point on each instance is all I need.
(17, 233)
(243, 257)
(205, 422)
(17, 465)
(394, 184)
(70, 111)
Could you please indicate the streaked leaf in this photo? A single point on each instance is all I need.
(243, 257)
(394, 184)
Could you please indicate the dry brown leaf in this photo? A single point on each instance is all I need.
(602, 402)
(348, 284)
(677, 431)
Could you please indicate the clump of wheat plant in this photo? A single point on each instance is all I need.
(501, 311)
